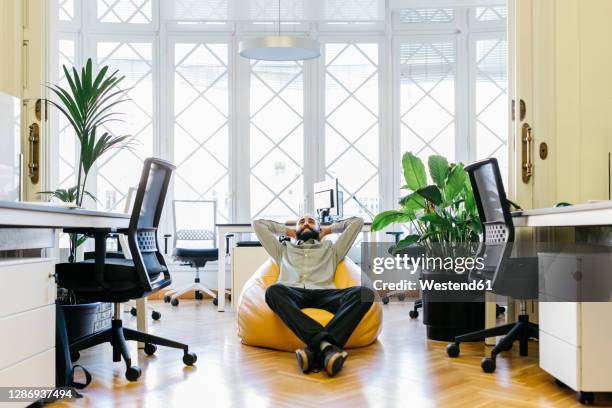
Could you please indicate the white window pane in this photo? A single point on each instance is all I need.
(201, 138)
(352, 124)
(66, 10)
(66, 136)
(491, 13)
(426, 15)
(124, 11)
(427, 97)
(118, 170)
(277, 139)
(492, 100)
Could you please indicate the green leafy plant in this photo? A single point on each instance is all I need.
(442, 215)
(88, 104)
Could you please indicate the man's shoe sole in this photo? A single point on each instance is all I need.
(334, 364)
(303, 360)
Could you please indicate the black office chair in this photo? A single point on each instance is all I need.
(514, 277)
(120, 250)
(119, 280)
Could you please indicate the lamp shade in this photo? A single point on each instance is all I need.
(280, 48)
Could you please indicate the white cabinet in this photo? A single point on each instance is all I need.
(245, 261)
(575, 336)
(27, 323)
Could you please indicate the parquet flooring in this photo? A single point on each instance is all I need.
(402, 369)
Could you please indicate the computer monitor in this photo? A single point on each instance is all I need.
(328, 200)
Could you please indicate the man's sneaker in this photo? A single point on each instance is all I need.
(306, 359)
(333, 358)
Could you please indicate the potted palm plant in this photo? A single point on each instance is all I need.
(443, 222)
(88, 103)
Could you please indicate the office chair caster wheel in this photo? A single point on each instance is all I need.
(150, 349)
(215, 301)
(199, 295)
(167, 299)
(74, 357)
(413, 314)
(385, 300)
(401, 298)
(488, 365)
(452, 350)
(190, 358)
(174, 302)
(133, 373)
(586, 398)
(133, 311)
(155, 315)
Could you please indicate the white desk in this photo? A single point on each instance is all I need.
(28, 253)
(599, 213)
(223, 229)
(574, 336)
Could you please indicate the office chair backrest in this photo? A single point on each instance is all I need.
(195, 223)
(146, 212)
(491, 201)
(493, 211)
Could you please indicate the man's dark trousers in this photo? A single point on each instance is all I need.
(348, 306)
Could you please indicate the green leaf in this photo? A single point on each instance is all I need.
(414, 171)
(406, 242)
(431, 193)
(413, 201)
(438, 170)
(386, 218)
(455, 183)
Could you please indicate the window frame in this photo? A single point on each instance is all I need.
(87, 31)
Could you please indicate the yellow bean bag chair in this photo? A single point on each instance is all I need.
(259, 326)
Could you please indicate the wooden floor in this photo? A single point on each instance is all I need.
(401, 369)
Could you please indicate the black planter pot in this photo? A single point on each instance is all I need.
(449, 314)
(80, 320)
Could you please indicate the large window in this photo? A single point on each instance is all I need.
(352, 124)
(120, 169)
(253, 135)
(200, 144)
(277, 139)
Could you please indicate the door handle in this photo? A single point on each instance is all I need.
(527, 149)
(34, 162)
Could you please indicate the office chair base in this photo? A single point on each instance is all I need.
(522, 330)
(197, 287)
(118, 336)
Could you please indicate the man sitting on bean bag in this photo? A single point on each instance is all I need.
(306, 280)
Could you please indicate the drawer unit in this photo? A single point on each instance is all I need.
(28, 373)
(27, 323)
(565, 368)
(33, 283)
(27, 333)
(560, 319)
(575, 336)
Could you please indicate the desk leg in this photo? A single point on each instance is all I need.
(141, 317)
(221, 273)
(490, 316)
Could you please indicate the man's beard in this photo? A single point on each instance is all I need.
(307, 234)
